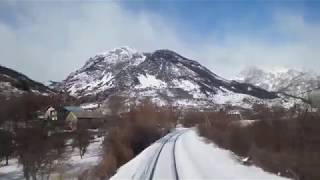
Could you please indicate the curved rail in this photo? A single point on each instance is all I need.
(174, 157)
(177, 135)
(154, 164)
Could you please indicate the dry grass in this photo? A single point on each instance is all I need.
(136, 130)
(284, 144)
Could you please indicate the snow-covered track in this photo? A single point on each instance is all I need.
(183, 154)
(166, 166)
(174, 156)
(173, 137)
(158, 155)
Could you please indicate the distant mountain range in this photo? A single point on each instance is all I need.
(165, 77)
(13, 83)
(291, 81)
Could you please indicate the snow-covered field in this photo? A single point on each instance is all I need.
(182, 154)
(11, 172)
(71, 169)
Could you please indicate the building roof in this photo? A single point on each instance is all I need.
(88, 115)
(73, 108)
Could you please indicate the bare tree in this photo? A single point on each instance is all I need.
(6, 148)
(81, 140)
(115, 104)
(38, 152)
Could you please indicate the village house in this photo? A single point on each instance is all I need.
(49, 114)
(73, 117)
(234, 115)
(90, 106)
(85, 119)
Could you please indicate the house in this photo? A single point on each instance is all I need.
(90, 106)
(234, 115)
(64, 111)
(73, 117)
(51, 114)
(85, 119)
(48, 113)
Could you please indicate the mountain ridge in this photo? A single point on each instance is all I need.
(162, 74)
(14, 83)
(293, 82)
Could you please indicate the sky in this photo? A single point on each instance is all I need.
(49, 39)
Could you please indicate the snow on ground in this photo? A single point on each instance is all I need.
(106, 78)
(150, 81)
(198, 160)
(137, 167)
(245, 122)
(122, 54)
(235, 99)
(186, 85)
(190, 103)
(6, 88)
(89, 105)
(96, 83)
(190, 86)
(77, 165)
(12, 171)
(195, 159)
(70, 170)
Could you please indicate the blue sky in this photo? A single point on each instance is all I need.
(48, 40)
(199, 18)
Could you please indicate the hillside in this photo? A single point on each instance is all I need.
(291, 81)
(13, 83)
(163, 76)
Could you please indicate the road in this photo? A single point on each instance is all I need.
(182, 154)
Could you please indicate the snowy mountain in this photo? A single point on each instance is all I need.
(290, 81)
(164, 76)
(13, 83)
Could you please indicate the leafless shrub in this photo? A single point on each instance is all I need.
(192, 118)
(136, 130)
(81, 140)
(7, 145)
(37, 152)
(280, 141)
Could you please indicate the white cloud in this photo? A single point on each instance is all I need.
(296, 45)
(52, 40)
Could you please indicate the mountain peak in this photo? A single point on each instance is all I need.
(163, 75)
(165, 52)
(120, 50)
(121, 55)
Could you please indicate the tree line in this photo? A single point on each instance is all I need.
(39, 148)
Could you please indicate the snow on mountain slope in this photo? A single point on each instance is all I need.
(13, 83)
(148, 80)
(185, 155)
(164, 76)
(290, 81)
(101, 72)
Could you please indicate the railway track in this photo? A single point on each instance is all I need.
(173, 138)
